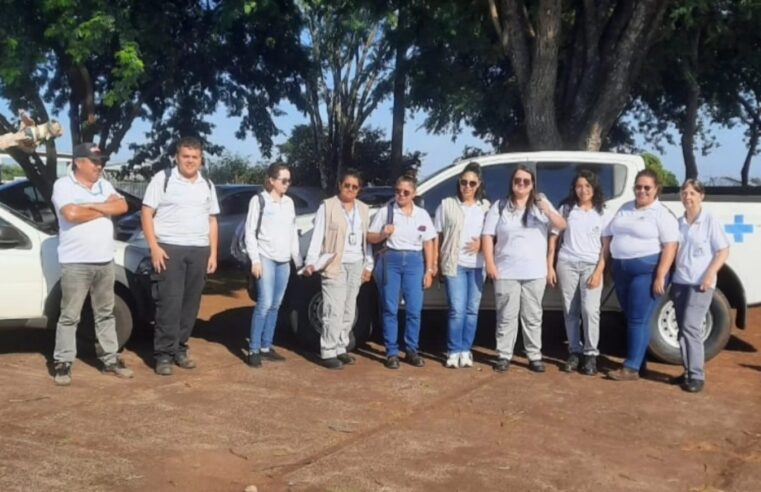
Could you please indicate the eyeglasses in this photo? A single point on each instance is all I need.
(401, 192)
(349, 186)
(643, 187)
(522, 181)
(465, 182)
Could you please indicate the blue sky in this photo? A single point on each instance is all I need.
(440, 150)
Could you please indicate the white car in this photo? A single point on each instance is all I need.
(30, 292)
(739, 282)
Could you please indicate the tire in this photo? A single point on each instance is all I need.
(305, 314)
(664, 343)
(87, 342)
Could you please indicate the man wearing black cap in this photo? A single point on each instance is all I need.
(85, 203)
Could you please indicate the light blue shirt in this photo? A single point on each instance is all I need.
(698, 244)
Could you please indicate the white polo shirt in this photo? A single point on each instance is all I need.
(698, 244)
(521, 251)
(86, 242)
(473, 225)
(639, 232)
(409, 230)
(278, 239)
(182, 212)
(582, 238)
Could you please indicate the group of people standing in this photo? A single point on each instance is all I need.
(521, 242)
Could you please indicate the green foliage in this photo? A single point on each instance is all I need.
(8, 172)
(372, 157)
(653, 162)
(235, 169)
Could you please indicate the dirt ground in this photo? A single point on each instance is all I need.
(297, 426)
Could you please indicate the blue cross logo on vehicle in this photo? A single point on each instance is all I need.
(738, 229)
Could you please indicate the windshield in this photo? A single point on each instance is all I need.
(38, 226)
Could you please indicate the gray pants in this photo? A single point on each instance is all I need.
(339, 303)
(514, 299)
(78, 280)
(691, 306)
(581, 305)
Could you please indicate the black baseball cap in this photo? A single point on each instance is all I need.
(90, 151)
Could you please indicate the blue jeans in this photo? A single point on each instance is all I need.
(634, 288)
(270, 290)
(400, 272)
(464, 293)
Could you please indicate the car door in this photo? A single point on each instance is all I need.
(21, 282)
(233, 209)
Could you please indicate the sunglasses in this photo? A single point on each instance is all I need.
(522, 181)
(643, 187)
(401, 192)
(285, 181)
(350, 186)
(465, 182)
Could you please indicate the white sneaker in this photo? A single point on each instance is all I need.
(466, 359)
(453, 361)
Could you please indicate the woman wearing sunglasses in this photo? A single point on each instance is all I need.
(642, 240)
(272, 242)
(459, 221)
(406, 264)
(340, 228)
(517, 264)
(703, 249)
(580, 267)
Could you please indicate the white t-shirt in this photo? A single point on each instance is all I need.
(87, 242)
(409, 230)
(582, 238)
(278, 239)
(521, 251)
(698, 244)
(182, 212)
(472, 227)
(639, 232)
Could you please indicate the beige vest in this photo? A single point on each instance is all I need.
(335, 232)
(454, 221)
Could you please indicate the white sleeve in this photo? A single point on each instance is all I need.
(369, 262)
(295, 252)
(61, 196)
(719, 239)
(109, 189)
(214, 209)
(252, 244)
(154, 192)
(379, 220)
(668, 227)
(318, 234)
(608, 229)
(438, 220)
(429, 231)
(554, 230)
(490, 223)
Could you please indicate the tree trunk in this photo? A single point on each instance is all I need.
(689, 128)
(752, 145)
(400, 92)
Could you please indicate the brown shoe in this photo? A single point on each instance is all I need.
(624, 374)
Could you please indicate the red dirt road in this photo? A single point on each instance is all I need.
(296, 426)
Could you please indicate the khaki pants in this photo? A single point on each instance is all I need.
(519, 299)
(339, 304)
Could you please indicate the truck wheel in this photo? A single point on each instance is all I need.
(88, 342)
(305, 315)
(664, 331)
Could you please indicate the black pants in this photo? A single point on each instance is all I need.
(178, 297)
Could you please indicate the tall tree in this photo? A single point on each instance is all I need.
(347, 79)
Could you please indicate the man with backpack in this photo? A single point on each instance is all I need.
(180, 225)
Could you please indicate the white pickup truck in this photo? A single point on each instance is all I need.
(739, 281)
(30, 292)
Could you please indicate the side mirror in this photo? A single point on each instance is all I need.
(10, 237)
